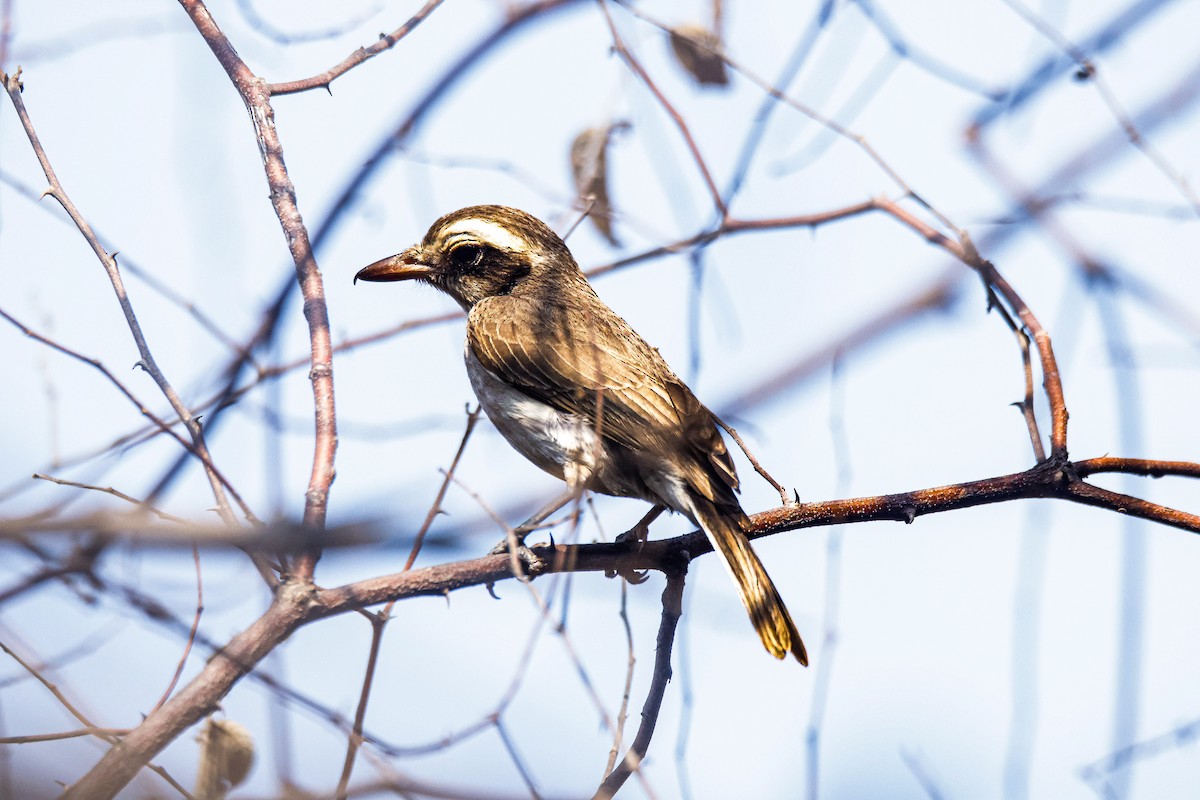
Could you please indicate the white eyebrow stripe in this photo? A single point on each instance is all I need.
(487, 232)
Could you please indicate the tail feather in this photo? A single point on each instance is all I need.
(763, 603)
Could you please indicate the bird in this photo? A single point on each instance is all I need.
(573, 388)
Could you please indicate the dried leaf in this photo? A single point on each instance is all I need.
(226, 755)
(696, 49)
(589, 167)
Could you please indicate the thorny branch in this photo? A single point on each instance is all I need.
(159, 424)
(255, 93)
(297, 604)
(14, 88)
(105, 734)
(359, 56)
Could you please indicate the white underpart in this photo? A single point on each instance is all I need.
(564, 445)
(482, 230)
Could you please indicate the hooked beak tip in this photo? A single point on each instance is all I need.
(401, 267)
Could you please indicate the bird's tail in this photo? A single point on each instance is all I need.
(767, 611)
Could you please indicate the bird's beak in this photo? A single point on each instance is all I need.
(404, 266)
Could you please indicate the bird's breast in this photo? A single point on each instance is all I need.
(565, 445)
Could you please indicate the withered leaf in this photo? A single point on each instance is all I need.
(696, 49)
(589, 167)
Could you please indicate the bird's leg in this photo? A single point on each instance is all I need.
(532, 524)
(641, 531)
(634, 537)
(542, 514)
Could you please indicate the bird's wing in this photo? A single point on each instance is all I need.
(590, 362)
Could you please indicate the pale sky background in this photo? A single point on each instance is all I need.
(978, 653)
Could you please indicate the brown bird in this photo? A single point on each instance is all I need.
(580, 394)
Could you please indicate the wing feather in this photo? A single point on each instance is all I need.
(568, 357)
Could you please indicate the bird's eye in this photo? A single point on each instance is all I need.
(466, 256)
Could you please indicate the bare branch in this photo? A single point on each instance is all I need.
(14, 88)
(114, 492)
(159, 424)
(684, 131)
(672, 602)
(359, 56)
(436, 508)
(1137, 466)
(255, 93)
(191, 639)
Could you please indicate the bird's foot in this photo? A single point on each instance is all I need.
(637, 535)
(640, 532)
(515, 546)
(632, 575)
(633, 539)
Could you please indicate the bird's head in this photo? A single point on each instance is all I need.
(480, 252)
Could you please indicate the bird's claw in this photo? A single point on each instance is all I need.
(516, 546)
(633, 576)
(633, 538)
(636, 535)
(517, 538)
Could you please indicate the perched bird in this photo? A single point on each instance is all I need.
(579, 393)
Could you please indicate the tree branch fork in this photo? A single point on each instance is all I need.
(298, 602)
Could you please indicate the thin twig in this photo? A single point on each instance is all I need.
(114, 492)
(380, 620)
(436, 507)
(56, 737)
(6, 9)
(191, 639)
(518, 570)
(511, 747)
(1051, 379)
(162, 426)
(362, 54)
(672, 602)
(965, 250)
(12, 85)
(634, 65)
(784, 497)
(623, 711)
(1026, 402)
(917, 767)
(54, 690)
(1137, 466)
(106, 734)
(378, 623)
